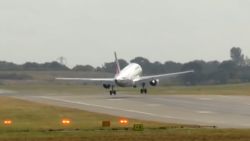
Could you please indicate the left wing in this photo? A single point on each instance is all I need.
(90, 80)
(161, 76)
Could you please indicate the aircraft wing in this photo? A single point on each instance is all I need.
(90, 80)
(162, 76)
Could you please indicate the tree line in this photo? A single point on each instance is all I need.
(235, 70)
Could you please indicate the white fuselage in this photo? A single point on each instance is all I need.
(128, 75)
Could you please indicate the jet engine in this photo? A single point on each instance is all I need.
(106, 86)
(154, 82)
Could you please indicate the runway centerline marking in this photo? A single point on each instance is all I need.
(114, 99)
(205, 98)
(204, 112)
(152, 105)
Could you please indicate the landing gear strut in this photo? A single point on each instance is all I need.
(144, 90)
(112, 91)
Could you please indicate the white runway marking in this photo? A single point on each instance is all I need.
(225, 112)
(153, 105)
(204, 112)
(114, 99)
(2, 91)
(205, 98)
(109, 107)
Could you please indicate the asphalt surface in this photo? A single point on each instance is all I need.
(208, 110)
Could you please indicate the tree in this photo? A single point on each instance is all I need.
(83, 68)
(211, 67)
(111, 66)
(157, 68)
(123, 63)
(31, 66)
(247, 61)
(53, 66)
(227, 71)
(196, 77)
(140, 60)
(9, 66)
(171, 66)
(237, 56)
(144, 63)
(244, 74)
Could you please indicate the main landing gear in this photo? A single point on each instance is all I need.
(144, 90)
(112, 91)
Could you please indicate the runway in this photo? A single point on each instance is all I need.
(220, 111)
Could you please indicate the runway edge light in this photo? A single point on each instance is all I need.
(7, 122)
(66, 121)
(123, 121)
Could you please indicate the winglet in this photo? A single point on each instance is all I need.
(118, 69)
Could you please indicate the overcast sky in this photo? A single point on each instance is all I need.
(89, 31)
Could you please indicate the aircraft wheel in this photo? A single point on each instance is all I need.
(141, 91)
(112, 92)
(145, 91)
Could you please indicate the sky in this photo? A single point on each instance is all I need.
(89, 31)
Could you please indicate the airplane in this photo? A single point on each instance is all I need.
(129, 76)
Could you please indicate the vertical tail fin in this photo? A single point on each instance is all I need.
(118, 69)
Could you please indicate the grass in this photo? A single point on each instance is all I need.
(34, 116)
(40, 122)
(162, 135)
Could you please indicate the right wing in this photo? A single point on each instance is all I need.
(162, 76)
(90, 80)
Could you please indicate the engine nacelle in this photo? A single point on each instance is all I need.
(106, 86)
(154, 82)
